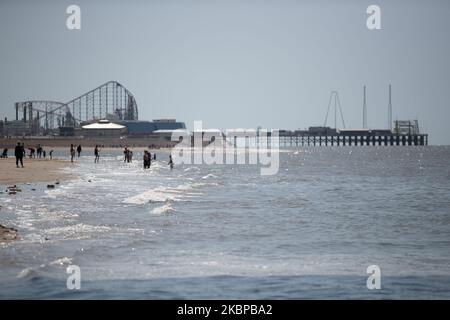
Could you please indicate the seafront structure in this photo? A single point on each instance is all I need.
(110, 111)
(110, 101)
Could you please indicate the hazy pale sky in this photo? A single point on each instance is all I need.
(231, 63)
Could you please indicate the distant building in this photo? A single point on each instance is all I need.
(16, 128)
(103, 128)
(137, 128)
(404, 127)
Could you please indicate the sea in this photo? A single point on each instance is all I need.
(201, 231)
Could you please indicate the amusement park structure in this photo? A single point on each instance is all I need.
(111, 100)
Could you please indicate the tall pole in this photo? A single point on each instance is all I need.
(335, 111)
(364, 109)
(390, 108)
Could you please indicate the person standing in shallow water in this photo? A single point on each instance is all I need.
(96, 153)
(147, 157)
(72, 152)
(79, 150)
(18, 152)
(170, 162)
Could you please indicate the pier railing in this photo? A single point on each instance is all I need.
(354, 140)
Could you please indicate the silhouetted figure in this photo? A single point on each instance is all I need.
(39, 151)
(18, 153)
(97, 155)
(5, 153)
(170, 162)
(51, 154)
(79, 150)
(72, 152)
(147, 159)
(32, 152)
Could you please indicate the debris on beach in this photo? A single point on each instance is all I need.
(12, 190)
(8, 234)
(50, 186)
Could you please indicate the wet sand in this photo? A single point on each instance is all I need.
(35, 170)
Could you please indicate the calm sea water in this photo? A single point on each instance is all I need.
(225, 231)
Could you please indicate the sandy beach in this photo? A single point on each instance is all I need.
(35, 170)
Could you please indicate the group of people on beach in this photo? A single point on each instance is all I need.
(20, 153)
(128, 156)
(39, 152)
(72, 151)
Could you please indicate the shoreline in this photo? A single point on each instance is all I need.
(35, 170)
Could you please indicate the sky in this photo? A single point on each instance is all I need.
(236, 63)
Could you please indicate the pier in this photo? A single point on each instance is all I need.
(300, 140)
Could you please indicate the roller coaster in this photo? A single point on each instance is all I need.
(111, 100)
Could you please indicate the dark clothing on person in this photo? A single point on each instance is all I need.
(147, 160)
(97, 156)
(18, 153)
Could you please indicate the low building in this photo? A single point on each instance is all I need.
(104, 128)
(16, 128)
(138, 128)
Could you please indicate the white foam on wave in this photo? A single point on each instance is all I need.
(163, 194)
(61, 261)
(153, 195)
(27, 273)
(209, 175)
(167, 208)
(76, 231)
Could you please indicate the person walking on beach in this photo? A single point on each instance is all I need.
(5, 153)
(72, 152)
(125, 153)
(39, 151)
(154, 156)
(79, 150)
(147, 159)
(97, 156)
(170, 162)
(18, 152)
(51, 154)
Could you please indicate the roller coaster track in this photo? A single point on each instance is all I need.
(109, 100)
